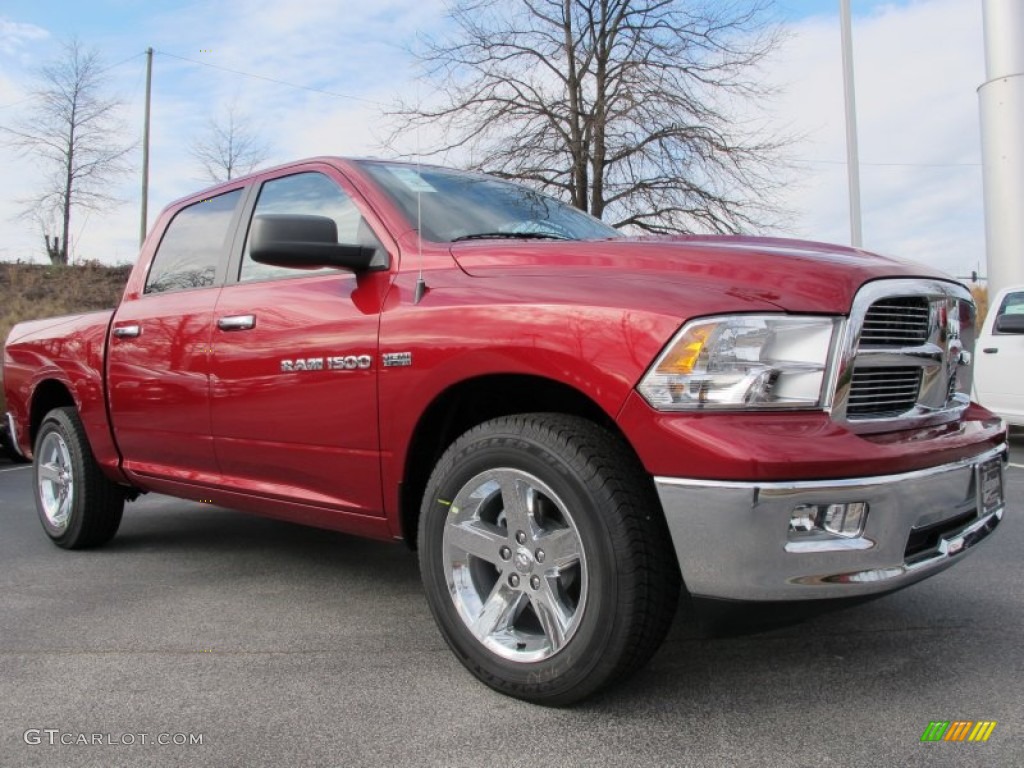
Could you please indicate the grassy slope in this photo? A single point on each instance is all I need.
(32, 291)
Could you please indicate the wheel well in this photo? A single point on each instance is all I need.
(49, 394)
(473, 402)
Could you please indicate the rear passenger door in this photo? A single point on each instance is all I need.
(294, 361)
(158, 360)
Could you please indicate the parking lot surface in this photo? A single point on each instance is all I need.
(273, 644)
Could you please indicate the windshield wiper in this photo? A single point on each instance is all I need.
(511, 236)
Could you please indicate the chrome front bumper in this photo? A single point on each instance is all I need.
(733, 539)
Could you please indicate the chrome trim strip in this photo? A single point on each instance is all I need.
(12, 430)
(929, 355)
(829, 545)
(850, 482)
(831, 377)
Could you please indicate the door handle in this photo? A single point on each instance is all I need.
(990, 350)
(237, 323)
(127, 331)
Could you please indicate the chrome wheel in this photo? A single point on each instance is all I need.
(56, 480)
(515, 565)
(77, 504)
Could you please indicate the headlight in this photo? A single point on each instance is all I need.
(743, 361)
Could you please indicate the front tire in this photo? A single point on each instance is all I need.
(545, 557)
(78, 505)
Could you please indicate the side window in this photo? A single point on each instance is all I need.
(1013, 304)
(194, 245)
(1010, 318)
(310, 194)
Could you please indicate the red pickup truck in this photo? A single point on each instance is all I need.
(568, 424)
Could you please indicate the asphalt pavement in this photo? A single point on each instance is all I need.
(241, 641)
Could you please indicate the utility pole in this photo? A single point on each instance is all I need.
(852, 155)
(145, 149)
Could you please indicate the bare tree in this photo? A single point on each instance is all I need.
(625, 108)
(73, 129)
(229, 146)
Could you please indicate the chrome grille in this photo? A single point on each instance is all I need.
(906, 360)
(879, 392)
(896, 322)
(900, 321)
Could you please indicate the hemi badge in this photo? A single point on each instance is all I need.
(397, 359)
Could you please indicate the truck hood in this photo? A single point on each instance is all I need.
(794, 275)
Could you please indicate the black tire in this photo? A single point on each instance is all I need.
(78, 505)
(577, 482)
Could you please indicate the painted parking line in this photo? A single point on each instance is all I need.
(1018, 466)
(15, 469)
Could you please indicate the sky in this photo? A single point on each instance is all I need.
(918, 64)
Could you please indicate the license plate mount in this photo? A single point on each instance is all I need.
(990, 485)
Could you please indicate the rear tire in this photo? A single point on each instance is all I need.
(78, 505)
(545, 557)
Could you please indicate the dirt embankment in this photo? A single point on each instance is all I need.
(33, 291)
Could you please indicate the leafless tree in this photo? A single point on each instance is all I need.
(626, 108)
(229, 146)
(74, 130)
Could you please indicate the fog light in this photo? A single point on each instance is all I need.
(846, 520)
(804, 518)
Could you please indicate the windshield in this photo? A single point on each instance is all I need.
(456, 205)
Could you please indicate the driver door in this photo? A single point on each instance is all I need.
(292, 419)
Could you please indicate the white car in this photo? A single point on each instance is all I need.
(999, 370)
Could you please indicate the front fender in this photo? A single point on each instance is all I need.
(599, 352)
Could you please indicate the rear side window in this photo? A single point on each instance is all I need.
(194, 245)
(1013, 304)
(1010, 317)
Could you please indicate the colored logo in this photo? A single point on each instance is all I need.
(958, 730)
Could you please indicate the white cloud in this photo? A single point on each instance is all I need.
(15, 36)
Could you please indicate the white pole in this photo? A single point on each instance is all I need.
(1001, 99)
(852, 157)
(145, 150)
